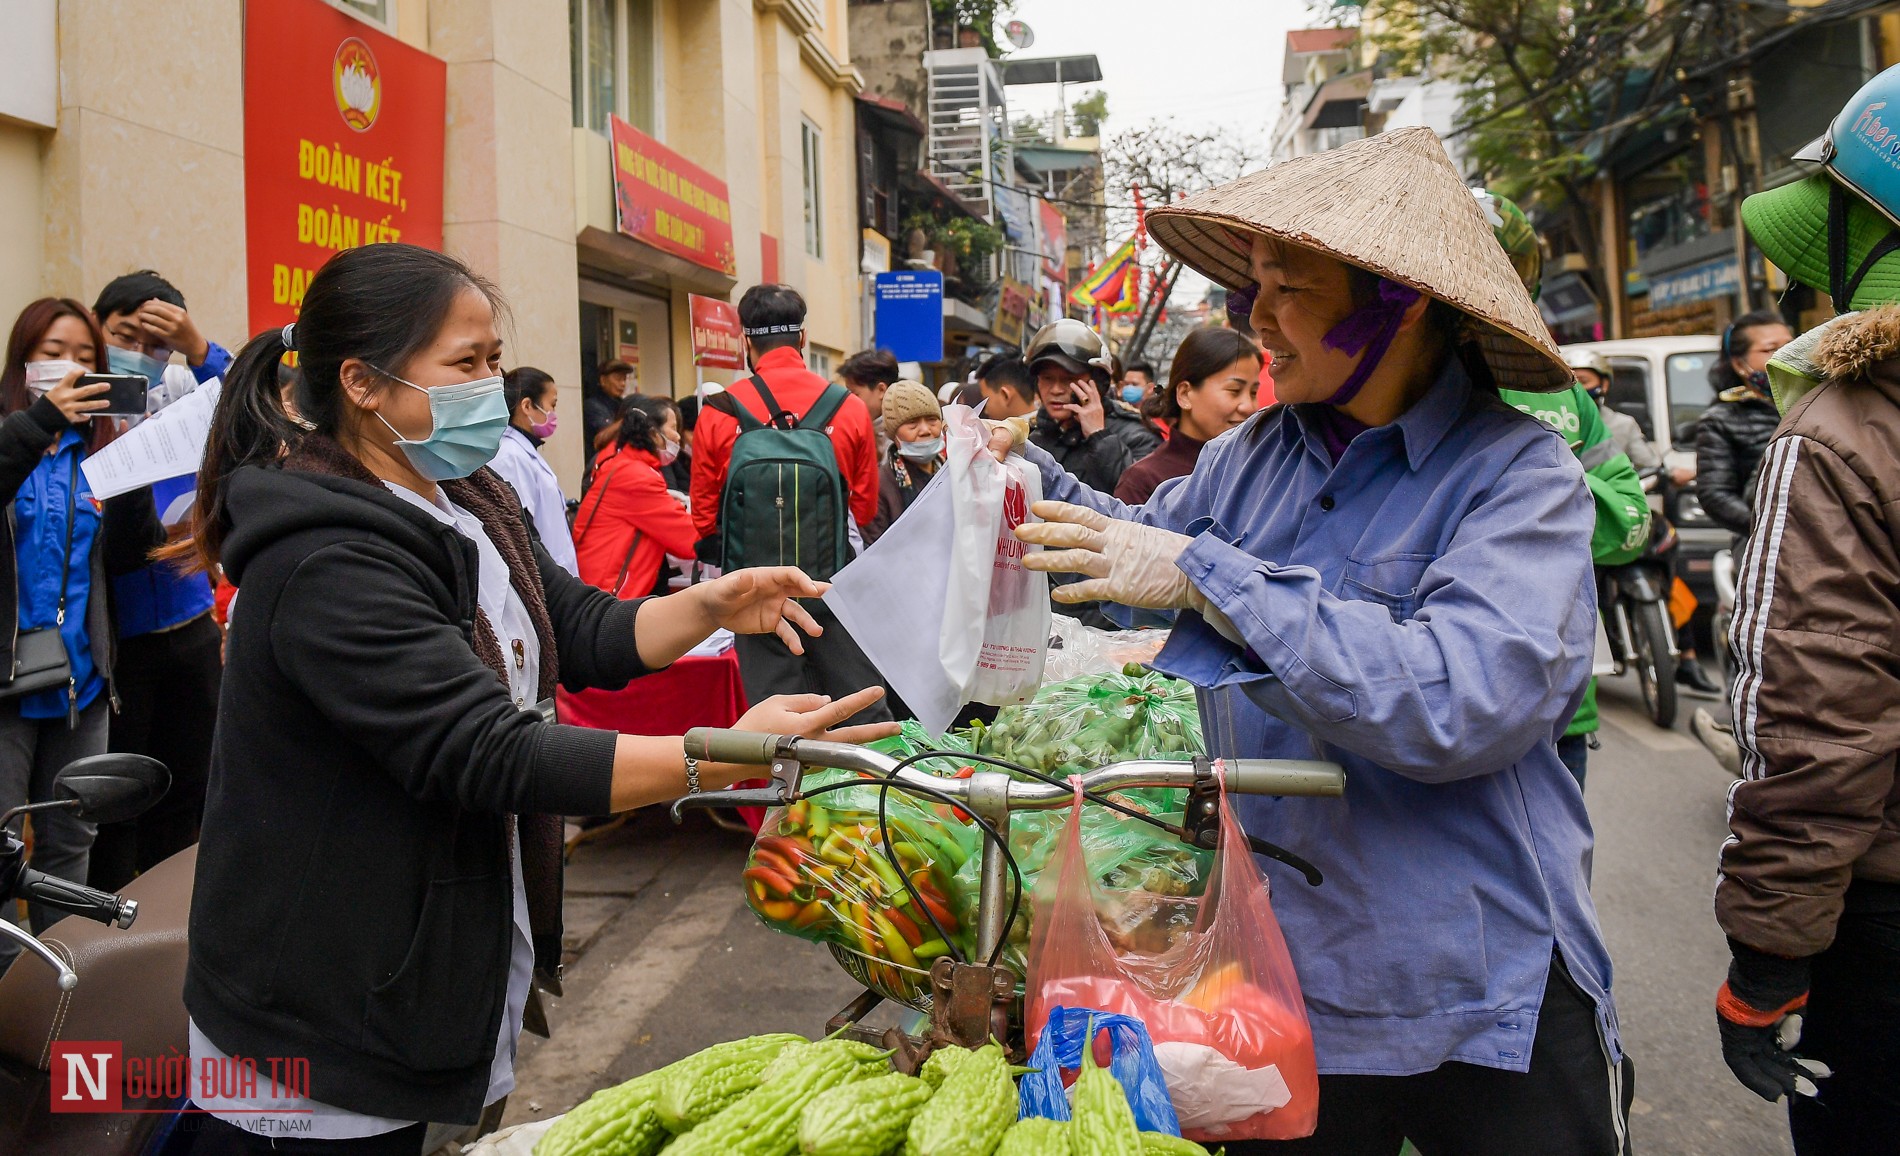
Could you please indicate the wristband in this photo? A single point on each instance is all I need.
(692, 775)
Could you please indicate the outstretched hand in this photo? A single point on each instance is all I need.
(1125, 562)
(813, 716)
(762, 600)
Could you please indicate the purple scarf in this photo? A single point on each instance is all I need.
(1370, 328)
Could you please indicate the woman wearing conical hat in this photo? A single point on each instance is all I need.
(1392, 571)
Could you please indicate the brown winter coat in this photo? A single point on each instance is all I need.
(1816, 634)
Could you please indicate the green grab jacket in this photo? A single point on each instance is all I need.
(1622, 528)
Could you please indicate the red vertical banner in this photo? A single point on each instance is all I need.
(343, 146)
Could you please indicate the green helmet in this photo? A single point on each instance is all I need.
(1514, 232)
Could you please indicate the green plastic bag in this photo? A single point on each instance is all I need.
(1148, 882)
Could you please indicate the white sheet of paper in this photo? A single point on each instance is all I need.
(169, 444)
(892, 598)
(1604, 661)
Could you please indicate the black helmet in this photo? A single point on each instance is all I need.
(1072, 345)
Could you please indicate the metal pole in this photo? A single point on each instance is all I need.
(989, 799)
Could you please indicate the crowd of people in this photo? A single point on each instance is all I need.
(1371, 507)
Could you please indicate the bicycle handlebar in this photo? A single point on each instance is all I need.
(1306, 777)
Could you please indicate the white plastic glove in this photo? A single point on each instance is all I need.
(1016, 427)
(1125, 562)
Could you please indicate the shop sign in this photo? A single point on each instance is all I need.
(1711, 279)
(909, 314)
(670, 203)
(1012, 312)
(343, 146)
(717, 340)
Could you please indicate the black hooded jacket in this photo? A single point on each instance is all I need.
(353, 899)
(1729, 441)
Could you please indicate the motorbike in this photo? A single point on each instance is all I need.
(114, 976)
(1634, 601)
(113, 973)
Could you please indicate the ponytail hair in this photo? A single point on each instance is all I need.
(381, 304)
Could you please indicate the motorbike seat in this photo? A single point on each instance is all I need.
(131, 980)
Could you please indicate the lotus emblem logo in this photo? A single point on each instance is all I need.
(357, 84)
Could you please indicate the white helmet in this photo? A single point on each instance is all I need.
(1582, 357)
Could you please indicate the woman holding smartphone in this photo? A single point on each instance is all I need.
(61, 544)
(380, 871)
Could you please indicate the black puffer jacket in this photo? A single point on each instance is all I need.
(1729, 441)
(1099, 460)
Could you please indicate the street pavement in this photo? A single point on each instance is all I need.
(666, 958)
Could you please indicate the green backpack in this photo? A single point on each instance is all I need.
(785, 502)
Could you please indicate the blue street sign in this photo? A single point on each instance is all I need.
(909, 315)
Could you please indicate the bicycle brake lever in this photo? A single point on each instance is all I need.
(781, 789)
(772, 796)
(1260, 846)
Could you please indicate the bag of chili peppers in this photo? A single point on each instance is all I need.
(832, 869)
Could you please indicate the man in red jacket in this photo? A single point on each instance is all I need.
(774, 320)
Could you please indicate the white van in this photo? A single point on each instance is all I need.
(1663, 382)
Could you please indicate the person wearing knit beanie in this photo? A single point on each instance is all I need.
(915, 421)
(906, 401)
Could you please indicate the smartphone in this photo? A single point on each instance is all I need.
(126, 398)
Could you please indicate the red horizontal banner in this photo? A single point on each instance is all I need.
(669, 202)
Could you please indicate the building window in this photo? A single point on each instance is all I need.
(614, 62)
(813, 145)
(377, 12)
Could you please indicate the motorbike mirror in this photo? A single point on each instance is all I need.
(112, 788)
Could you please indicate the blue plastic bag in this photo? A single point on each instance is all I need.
(1131, 1059)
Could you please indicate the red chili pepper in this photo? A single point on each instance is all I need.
(765, 857)
(909, 930)
(779, 885)
(937, 907)
(964, 772)
(790, 849)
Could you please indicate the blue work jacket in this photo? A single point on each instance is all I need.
(1421, 611)
(56, 487)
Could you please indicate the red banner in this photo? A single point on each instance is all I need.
(669, 202)
(717, 338)
(1055, 242)
(343, 146)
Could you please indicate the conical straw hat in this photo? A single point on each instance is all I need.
(1390, 203)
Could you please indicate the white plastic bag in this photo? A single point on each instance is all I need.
(941, 603)
(1015, 610)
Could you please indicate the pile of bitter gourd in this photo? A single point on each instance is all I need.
(783, 1095)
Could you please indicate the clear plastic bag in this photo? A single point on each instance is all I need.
(1078, 650)
(818, 871)
(1222, 1002)
(1075, 726)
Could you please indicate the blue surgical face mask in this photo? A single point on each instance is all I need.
(1132, 394)
(469, 419)
(923, 449)
(132, 361)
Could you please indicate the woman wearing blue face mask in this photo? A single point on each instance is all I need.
(385, 796)
(915, 421)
